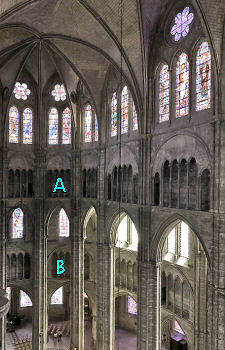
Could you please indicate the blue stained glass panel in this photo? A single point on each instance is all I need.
(96, 128)
(53, 126)
(114, 115)
(13, 125)
(124, 110)
(182, 24)
(27, 126)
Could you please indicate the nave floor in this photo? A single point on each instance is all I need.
(127, 340)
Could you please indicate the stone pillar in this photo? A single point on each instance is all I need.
(148, 318)
(77, 284)
(105, 297)
(39, 339)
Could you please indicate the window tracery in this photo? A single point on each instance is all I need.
(59, 93)
(182, 24)
(21, 91)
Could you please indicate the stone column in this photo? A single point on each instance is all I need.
(3, 237)
(77, 284)
(39, 280)
(105, 298)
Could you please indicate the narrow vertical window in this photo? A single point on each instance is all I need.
(57, 297)
(96, 128)
(66, 126)
(53, 126)
(203, 77)
(13, 125)
(27, 126)
(184, 240)
(172, 242)
(182, 86)
(164, 94)
(88, 124)
(134, 119)
(17, 223)
(114, 116)
(124, 110)
(64, 225)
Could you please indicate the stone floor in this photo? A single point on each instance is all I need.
(124, 339)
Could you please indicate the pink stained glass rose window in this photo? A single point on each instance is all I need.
(59, 93)
(21, 91)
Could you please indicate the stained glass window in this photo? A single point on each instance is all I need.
(184, 240)
(164, 94)
(172, 242)
(131, 306)
(135, 121)
(124, 110)
(182, 86)
(66, 126)
(59, 93)
(13, 125)
(203, 77)
(24, 299)
(21, 91)
(88, 124)
(177, 327)
(57, 297)
(17, 223)
(114, 115)
(27, 125)
(53, 126)
(96, 128)
(182, 23)
(64, 225)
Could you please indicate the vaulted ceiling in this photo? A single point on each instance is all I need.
(78, 38)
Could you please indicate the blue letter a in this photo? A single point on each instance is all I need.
(60, 268)
(62, 187)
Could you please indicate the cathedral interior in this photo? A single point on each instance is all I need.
(112, 176)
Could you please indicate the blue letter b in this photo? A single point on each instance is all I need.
(60, 268)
